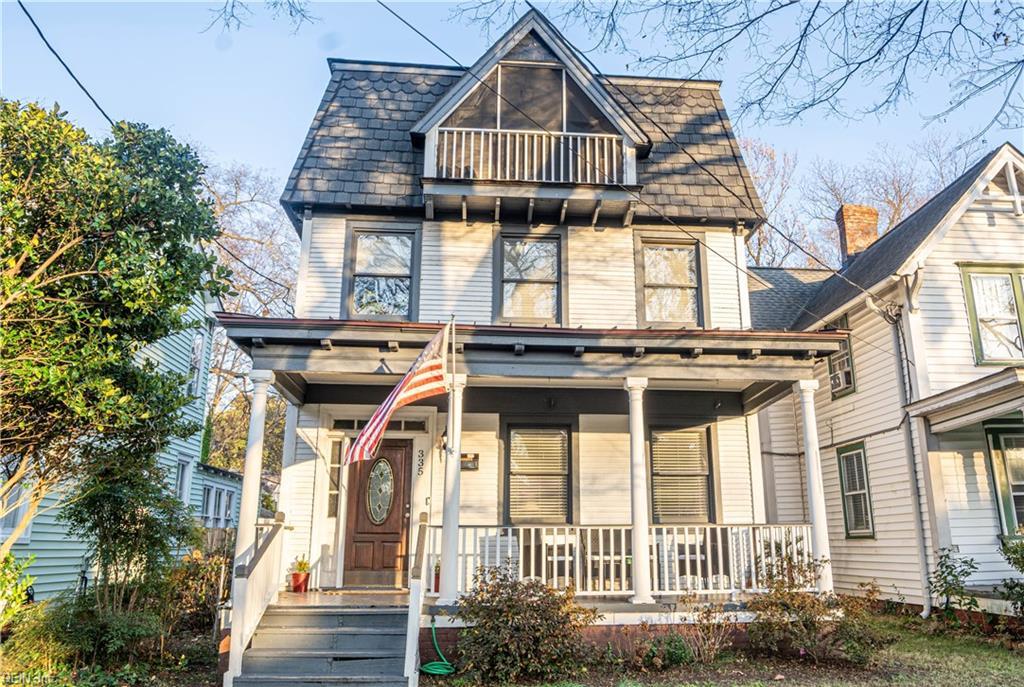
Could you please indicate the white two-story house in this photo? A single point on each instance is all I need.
(919, 414)
(608, 376)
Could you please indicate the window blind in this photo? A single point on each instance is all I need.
(680, 489)
(538, 475)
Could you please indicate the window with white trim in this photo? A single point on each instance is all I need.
(12, 510)
(680, 476)
(538, 475)
(181, 480)
(207, 508)
(229, 508)
(856, 493)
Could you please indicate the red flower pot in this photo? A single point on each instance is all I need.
(300, 582)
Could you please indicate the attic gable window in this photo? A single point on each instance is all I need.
(995, 303)
(529, 97)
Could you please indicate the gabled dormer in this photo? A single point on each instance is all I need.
(529, 132)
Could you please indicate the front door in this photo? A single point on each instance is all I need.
(378, 517)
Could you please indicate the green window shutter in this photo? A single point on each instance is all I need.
(679, 481)
(539, 475)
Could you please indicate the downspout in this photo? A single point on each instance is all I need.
(894, 316)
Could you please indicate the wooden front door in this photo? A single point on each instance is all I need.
(378, 517)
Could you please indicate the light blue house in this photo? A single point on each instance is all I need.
(60, 561)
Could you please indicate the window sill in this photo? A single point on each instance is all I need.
(860, 536)
(843, 393)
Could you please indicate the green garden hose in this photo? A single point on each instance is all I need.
(442, 667)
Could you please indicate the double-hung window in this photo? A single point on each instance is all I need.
(530, 286)
(538, 475)
(12, 510)
(840, 364)
(995, 303)
(181, 481)
(382, 274)
(207, 510)
(680, 476)
(669, 291)
(853, 481)
(229, 508)
(1007, 444)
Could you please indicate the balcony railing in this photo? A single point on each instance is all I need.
(598, 560)
(506, 155)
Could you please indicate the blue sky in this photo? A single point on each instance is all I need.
(249, 95)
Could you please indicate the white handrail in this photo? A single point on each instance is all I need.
(529, 155)
(255, 586)
(598, 559)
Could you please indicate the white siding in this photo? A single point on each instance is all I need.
(479, 488)
(734, 471)
(724, 290)
(601, 279)
(983, 234)
(456, 267)
(971, 502)
(785, 476)
(321, 292)
(604, 470)
(298, 480)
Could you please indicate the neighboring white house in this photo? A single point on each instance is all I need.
(60, 561)
(609, 377)
(919, 416)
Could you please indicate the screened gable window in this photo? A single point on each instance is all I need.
(530, 279)
(680, 476)
(840, 363)
(521, 97)
(670, 292)
(853, 479)
(382, 275)
(538, 479)
(996, 301)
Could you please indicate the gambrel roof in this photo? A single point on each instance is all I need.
(361, 150)
(891, 254)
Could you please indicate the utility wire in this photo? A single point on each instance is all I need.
(632, 193)
(65, 64)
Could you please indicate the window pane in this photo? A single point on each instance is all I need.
(1018, 508)
(530, 259)
(679, 452)
(480, 108)
(666, 265)
(529, 301)
(536, 92)
(670, 304)
(582, 115)
(996, 311)
(537, 497)
(539, 450)
(679, 498)
(383, 254)
(1013, 454)
(854, 478)
(858, 513)
(381, 296)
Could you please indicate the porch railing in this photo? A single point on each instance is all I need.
(598, 560)
(507, 155)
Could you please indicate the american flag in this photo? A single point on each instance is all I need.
(425, 378)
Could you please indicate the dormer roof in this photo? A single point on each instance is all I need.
(534, 39)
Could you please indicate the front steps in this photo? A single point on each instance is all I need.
(318, 646)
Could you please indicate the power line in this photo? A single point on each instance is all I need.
(65, 64)
(633, 194)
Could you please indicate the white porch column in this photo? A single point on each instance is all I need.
(249, 507)
(638, 487)
(805, 388)
(448, 593)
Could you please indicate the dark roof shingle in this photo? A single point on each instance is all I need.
(777, 294)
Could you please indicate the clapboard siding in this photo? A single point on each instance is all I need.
(456, 268)
(322, 286)
(971, 503)
(734, 470)
(298, 481)
(601, 279)
(988, 233)
(723, 282)
(479, 488)
(604, 470)
(785, 476)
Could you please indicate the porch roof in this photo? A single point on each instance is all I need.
(989, 397)
(759, 364)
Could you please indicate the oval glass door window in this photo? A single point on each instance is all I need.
(380, 491)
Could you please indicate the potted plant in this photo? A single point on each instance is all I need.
(300, 575)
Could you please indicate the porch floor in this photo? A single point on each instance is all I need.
(355, 598)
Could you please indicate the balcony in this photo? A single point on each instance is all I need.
(715, 560)
(529, 175)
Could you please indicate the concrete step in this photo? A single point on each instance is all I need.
(310, 617)
(319, 681)
(379, 663)
(328, 638)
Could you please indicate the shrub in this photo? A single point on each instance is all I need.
(14, 584)
(194, 590)
(1013, 590)
(815, 626)
(710, 633)
(38, 641)
(949, 584)
(520, 629)
(651, 651)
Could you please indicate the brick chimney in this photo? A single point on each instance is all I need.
(858, 229)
